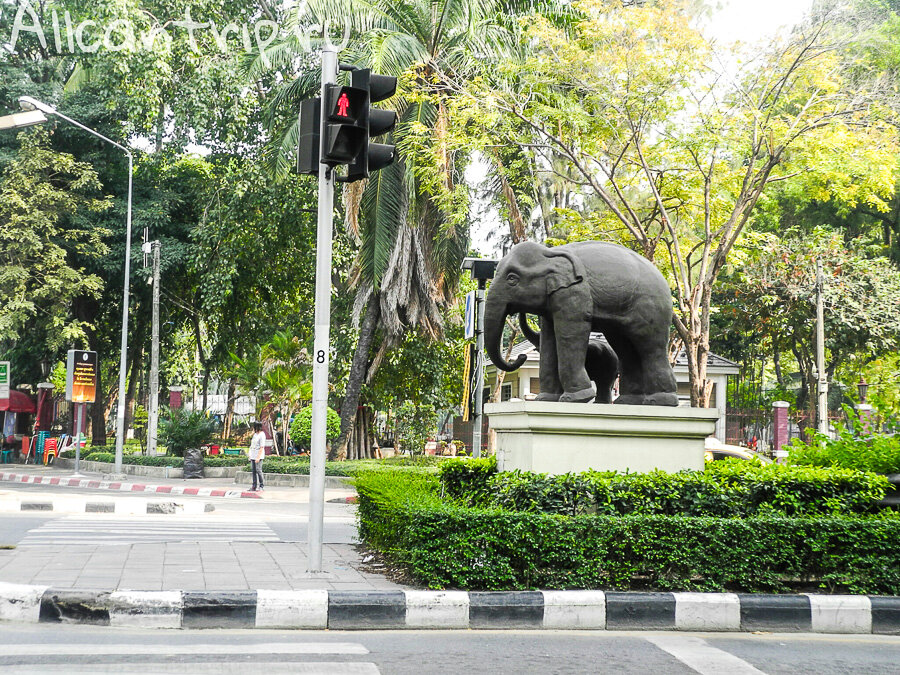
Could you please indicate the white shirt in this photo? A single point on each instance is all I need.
(257, 446)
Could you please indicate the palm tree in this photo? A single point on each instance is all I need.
(411, 245)
(282, 369)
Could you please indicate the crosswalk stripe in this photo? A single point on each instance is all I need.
(76, 530)
(696, 653)
(270, 648)
(270, 668)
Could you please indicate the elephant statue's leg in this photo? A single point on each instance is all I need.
(645, 377)
(602, 366)
(630, 378)
(660, 387)
(551, 389)
(571, 351)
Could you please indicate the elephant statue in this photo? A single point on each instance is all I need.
(601, 363)
(576, 289)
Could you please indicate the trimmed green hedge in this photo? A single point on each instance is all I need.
(448, 546)
(300, 465)
(160, 460)
(724, 489)
(271, 464)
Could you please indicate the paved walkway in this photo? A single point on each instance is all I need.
(220, 552)
(190, 566)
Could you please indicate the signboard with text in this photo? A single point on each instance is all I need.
(4, 379)
(81, 376)
(470, 315)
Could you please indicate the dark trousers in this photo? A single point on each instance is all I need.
(256, 470)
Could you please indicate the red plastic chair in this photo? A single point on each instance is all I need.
(50, 450)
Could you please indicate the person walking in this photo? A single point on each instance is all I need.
(257, 452)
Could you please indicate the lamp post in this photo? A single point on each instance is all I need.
(864, 409)
(31, 105)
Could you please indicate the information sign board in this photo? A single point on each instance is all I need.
(81, 376)
(4, 379)
(470, 315)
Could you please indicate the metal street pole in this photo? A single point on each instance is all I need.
(479, 368)
(822, 389)
(79, 420)
(153, 412)
(123, 352)
(27, 103)
(322, 326)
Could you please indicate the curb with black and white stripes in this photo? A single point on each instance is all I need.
(118, 506)
(378, 610)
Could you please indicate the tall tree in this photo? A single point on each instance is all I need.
(45, 199)
(411, 219)
(678, 152)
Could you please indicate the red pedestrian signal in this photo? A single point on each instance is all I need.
(343, 105)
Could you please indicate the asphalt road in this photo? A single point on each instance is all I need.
(254, 508)
(287, 519)
(77, 649)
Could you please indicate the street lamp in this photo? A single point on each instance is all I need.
(863, 388)
(30, 105)
(22, 120)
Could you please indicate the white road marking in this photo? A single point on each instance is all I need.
(270, 668)
(71, 649)
(80, 530)
(696, 653)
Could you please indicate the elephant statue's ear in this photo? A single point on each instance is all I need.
(565, 270)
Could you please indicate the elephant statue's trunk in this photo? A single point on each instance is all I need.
(495, 313)
(531, 335)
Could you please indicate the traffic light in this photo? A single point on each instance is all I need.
(350, 123)
(374, 156)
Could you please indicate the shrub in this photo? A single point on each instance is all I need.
(469, 479)
(301, 427)
(300, 466)
(447, 546)
(183, 430)
(416, 423)
(725, 489)
(229, 460)
(849, 450)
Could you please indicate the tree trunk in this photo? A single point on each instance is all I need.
(205, 384)
(357, 375)
(229, 409)
(779, 375)
(134, 376)
(361, 438)
(98, 417)
(204, 362)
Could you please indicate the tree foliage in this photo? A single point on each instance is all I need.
(678, 152)
(46, 202)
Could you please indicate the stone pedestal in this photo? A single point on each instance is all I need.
(558, 438)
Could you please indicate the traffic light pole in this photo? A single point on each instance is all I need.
(479, 370)
(322, 327)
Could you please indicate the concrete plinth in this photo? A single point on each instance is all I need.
(558, 438)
